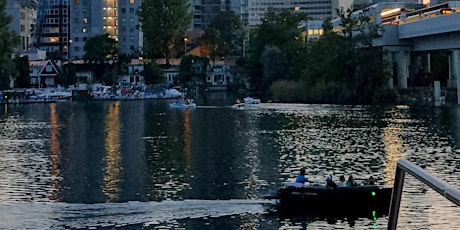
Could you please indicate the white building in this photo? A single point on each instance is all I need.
(316, 10)
(24, 15)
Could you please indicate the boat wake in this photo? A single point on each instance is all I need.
(64, 215)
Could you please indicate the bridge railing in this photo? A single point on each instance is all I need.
(438, 185)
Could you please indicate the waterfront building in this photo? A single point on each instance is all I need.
(64, 26)
(24, 15)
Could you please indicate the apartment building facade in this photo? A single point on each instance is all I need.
(64, 26)
(204, 11)
(24, 16)
(316, 9)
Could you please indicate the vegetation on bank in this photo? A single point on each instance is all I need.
(335, 68)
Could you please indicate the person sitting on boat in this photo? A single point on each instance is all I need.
(341, 183)
(330, 183)
(351, 182)
(301, 177)
(371, 181)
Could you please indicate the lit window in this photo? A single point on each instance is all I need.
(310, 32)
(84, 30)
(76, 2)
(297, 8)
(85, 20)
(131, 1)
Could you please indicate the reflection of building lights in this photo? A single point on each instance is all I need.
(187, 137)
(55, 150)
(393, 145)
(112, 158)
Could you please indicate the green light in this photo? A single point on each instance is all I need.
(373, 193)
(374, 214)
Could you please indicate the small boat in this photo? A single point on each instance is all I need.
(251, 100)
(316, 200)
(183, 103)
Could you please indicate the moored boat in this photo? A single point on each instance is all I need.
(183, 103)
(251, 100)
(319, 200)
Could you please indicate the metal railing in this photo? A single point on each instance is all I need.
(438, 185)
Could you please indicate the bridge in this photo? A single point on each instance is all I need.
(408, 32)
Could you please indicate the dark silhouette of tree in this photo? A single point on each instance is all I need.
(164, 23)
(8, 40)
(22, 67)
(231, 32)
(100, 49)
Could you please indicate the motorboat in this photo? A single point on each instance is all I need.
(169, 94)
(183, 103)
(317, 200)
(251, 100)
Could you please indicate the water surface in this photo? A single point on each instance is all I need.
(141, 164)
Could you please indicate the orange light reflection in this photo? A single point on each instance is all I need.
(55, 152)
(112, 158)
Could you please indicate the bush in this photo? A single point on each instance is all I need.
(287, 91)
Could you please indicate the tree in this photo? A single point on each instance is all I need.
(151, 73)
(213, 45)
(193, 68)
(275, 65)
(278, 29)
(231, 32)
(8, 40)
(344, 67)
(100, 49)
(164, 23)
(22, 67)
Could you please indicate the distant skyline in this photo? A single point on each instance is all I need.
(63, 26)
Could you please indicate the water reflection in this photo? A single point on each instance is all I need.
(393, 143)
(144, 151)
(112, 157)
(187, 139)
(55, 152)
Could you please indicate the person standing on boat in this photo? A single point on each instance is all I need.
(301, 177)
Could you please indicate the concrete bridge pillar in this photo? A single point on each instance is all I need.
(402, 60)
(389, 60)
(455, 70)
(426, 63)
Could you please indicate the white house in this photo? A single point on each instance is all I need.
(43, 73)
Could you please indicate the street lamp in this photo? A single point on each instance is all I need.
(185, 45)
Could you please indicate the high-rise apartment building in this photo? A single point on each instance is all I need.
(24, 15)
(52, 28)
(205, 10)
(252, 11)
(117, 18)
(316, 9)
(64, 26)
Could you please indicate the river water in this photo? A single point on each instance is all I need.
(143, 165)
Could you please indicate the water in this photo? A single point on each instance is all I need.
(143, 165)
